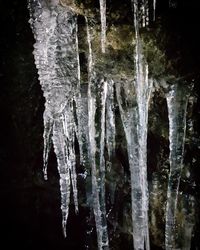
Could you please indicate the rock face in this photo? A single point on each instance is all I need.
(31, 213)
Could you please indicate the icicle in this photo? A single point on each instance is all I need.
(43, 26)
(103, 24)
(143, 13)
(90, 58)
(154, 10)
(177, 99)
(69, 132)
(110, 120)
(98, 177)
(147, 14)
(81, 128)
(47, 135)
(137, 162)
(135, 120)
(92, 146)
(143, 87)
(129, 117)
(82, 113)
(60, 147)
(102, 164)
(55, 54)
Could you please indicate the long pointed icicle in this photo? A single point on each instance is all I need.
(154, 10)
(59, 142)
(97, 187)
(137, 161)
(129, 117)
(55, 53)
(146, 13)
(47, 135)
(81, 100)
(69, 132)
(138, 168)
(177, 100)
(82, 130)
(110, 120)
(143, 12)
(103, 24)
(81, 112)
(102, 164)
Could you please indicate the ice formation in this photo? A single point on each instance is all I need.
(55, 53)
(97, 145)
(177, 99)
(154, 10)
(110, 120)
(86, 112)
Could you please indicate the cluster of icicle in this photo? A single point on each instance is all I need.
(71, 113)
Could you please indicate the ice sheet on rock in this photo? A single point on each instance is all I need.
(103, 24)
(55, 53)
(177, 99)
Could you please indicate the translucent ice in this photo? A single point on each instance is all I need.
(55, 52)
(177, 99)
